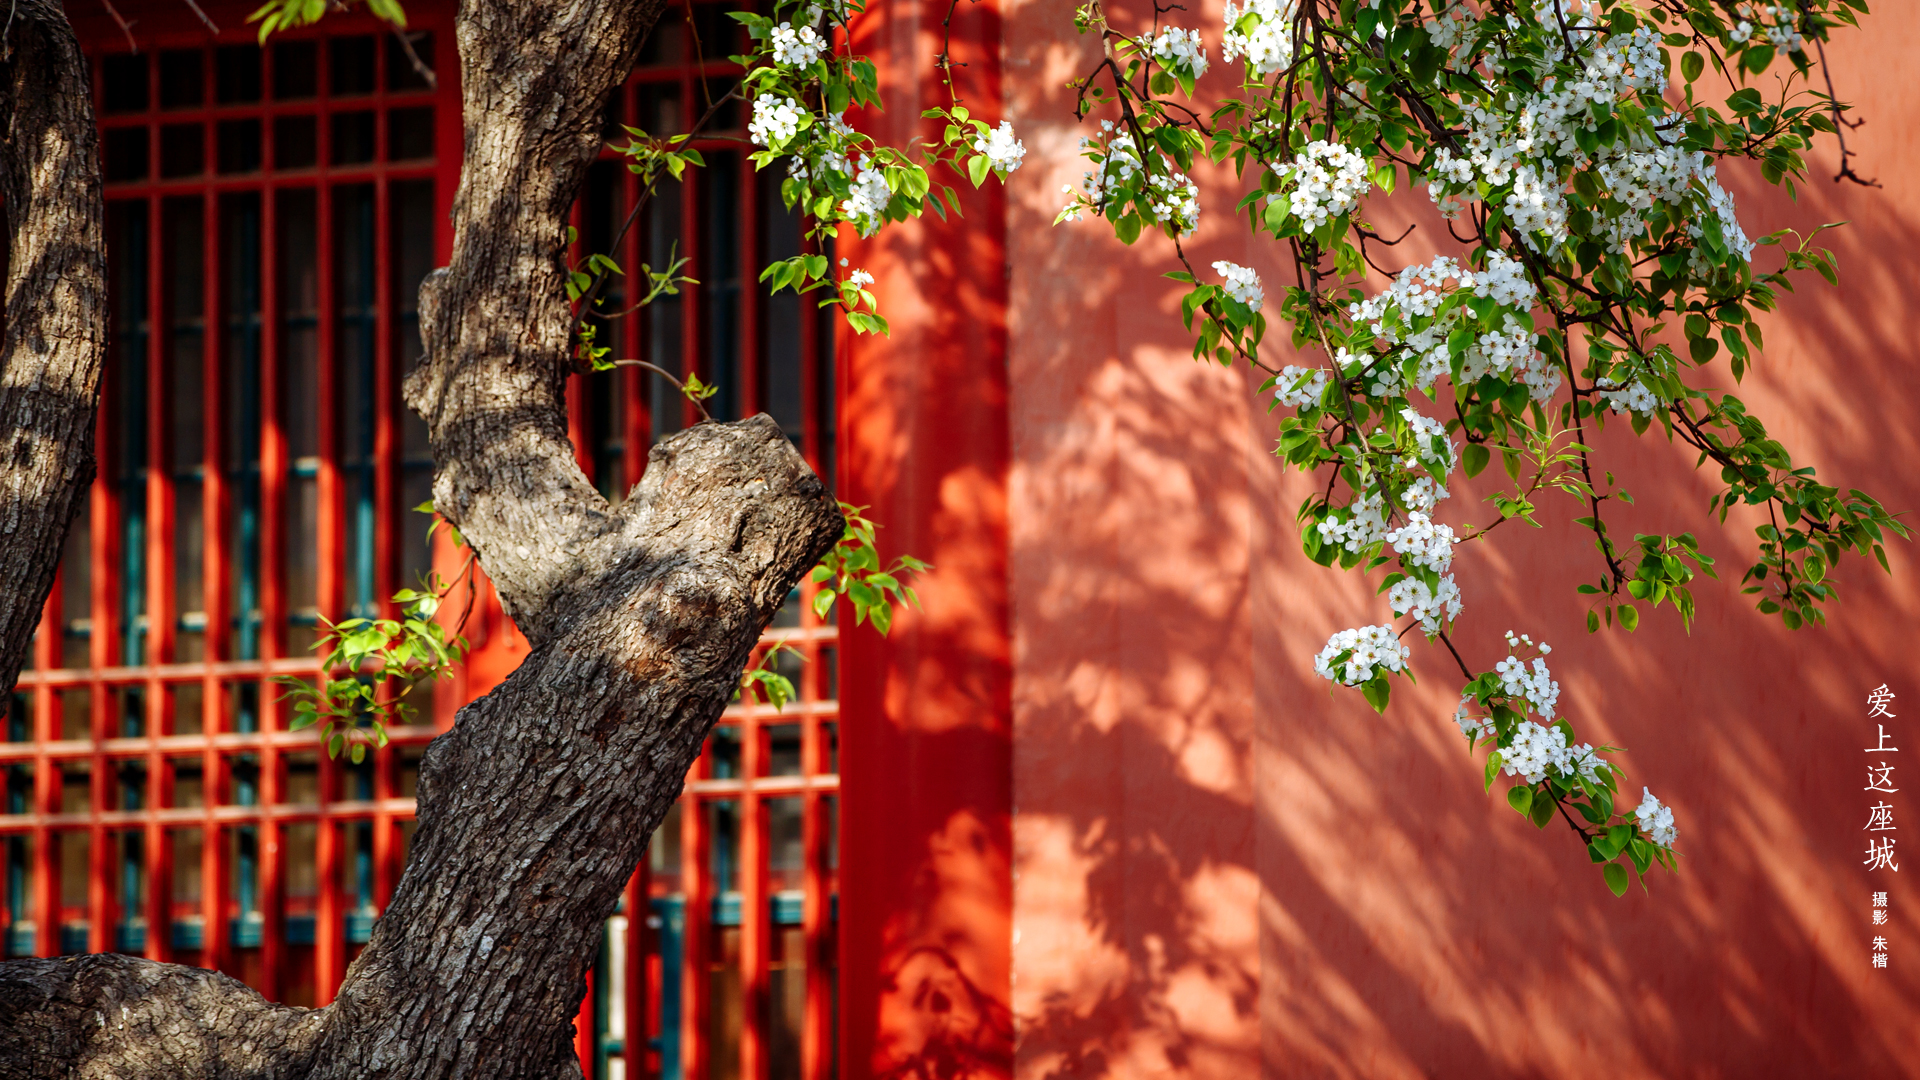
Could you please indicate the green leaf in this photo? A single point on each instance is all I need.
(1617, 878)
(1629, 617)
(1542, 813)
(1521, 798)
(1377, 692)
(1474, 458)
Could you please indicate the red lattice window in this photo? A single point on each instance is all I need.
(270, 215)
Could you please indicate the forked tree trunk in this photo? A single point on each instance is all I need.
(536, 807)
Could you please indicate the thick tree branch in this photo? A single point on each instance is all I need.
(110, 1017)
(55, 341)
(535, 808)
(535, 79)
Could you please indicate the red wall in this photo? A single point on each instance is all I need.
(926, 776)
(1223, 869)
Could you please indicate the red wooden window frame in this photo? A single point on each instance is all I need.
(762, 769)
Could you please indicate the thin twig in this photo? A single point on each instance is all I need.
(668, 375)
(600, 280)
(420, 67)
(125, 26)
(203, 16)
(944, 58)
(1840, 124)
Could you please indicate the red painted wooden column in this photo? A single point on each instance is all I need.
(926, 897)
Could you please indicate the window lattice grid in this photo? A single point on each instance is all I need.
(270, 212)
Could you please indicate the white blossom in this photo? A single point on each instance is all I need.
(1357, 526)
(1721, 205)
(775, 120)
(1175, 201)
(1004, 152)
(1328, 180)
(1426, 431)
(1536, 687)
(1180, 51)
(1537, 750)
(1475, 726)
(1433, 607)
(1656, 819)
(1423, 494)
(1241, 283)
(1422, 542)
(1300, 387)
(859, 277)
(1268, 46)
(1505, 280)
(866, 206)
(1367, 649)
(1633, 397)
(797, 46)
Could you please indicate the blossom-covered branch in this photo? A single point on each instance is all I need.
(1601, 266)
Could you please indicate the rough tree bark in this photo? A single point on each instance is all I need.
(56, 312)
(536, 807)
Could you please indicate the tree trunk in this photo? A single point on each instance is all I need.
(536, 807)
(56, 310)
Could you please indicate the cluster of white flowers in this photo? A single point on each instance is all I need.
(1633, 397)
(1656, 819)
(1358, 526)
(1117, 166)
(814, 13)
(1180, 52)
(1527, 139)
(1782, 32)
(1422, 542)
(1416, 296)
(1423, 494)
(1175, 201)
(1416, 293)
(859, 277)
(1537, 749)
(866, 204)
(1721, 204)
(1478, 727)
(820, 159)
(1433, 607)
(1300, 387)
(1542, 378)
(1004, 152)
(1328, 180)
(1242, 284)
(1268, 47)
(1453, 28)
(1505, 280)
(1510, 352)
(1535, 686)
(1367, 648)
(797, 46)
(775, 120)
(1537, 206)
(1172, 198)
(1425, 431)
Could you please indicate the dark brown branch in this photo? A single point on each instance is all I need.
(1840, 124)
